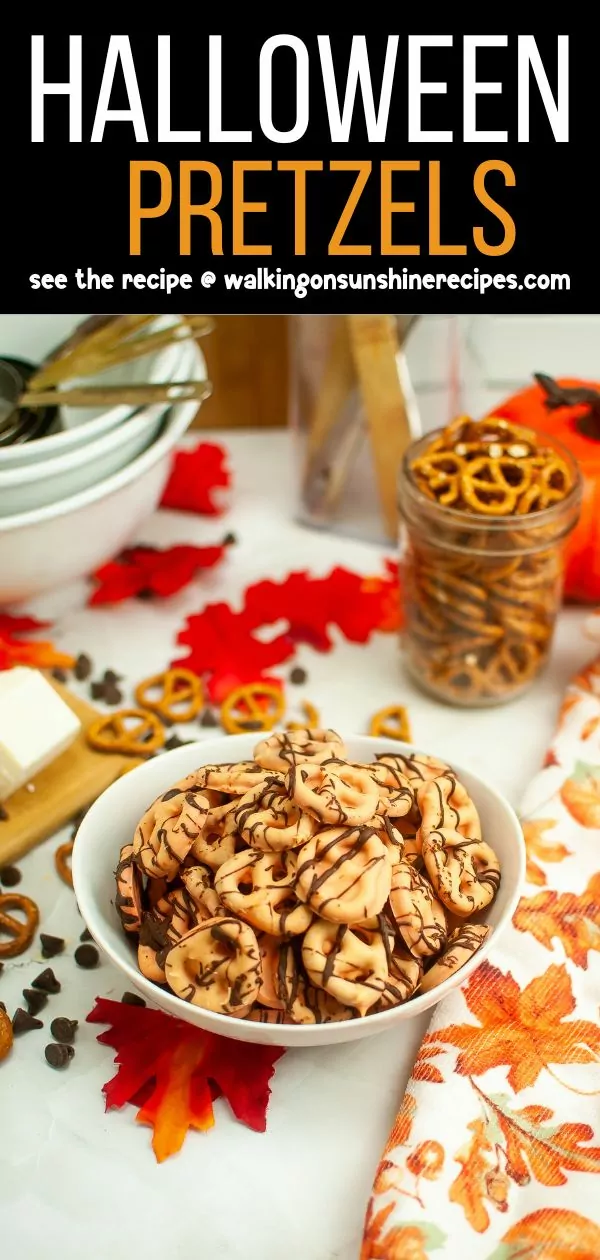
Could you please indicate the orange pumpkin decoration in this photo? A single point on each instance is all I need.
(569, 410)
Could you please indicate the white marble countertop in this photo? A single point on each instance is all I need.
(74, 1181)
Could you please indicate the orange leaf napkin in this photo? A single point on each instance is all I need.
(496, 1146)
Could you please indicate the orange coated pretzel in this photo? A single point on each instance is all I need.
(6, 1034)
(62, 862)
(112, 734)
(21, 933)
(312, 718)
(392, 722)
(175, 688)
(245, 708)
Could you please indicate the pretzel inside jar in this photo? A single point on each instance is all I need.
(486, 507)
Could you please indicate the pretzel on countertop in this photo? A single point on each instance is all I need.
(19, 932)
(62, 862)
(349, 963)
(260, 888)
(391, 722)
(257, 706)
(344, 874)
(132, 732)
(166, 693)
(6, 1034)
(216, 966)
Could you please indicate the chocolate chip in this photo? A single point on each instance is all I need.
(229, 540)
(132, 999)
(58, 1055)
(60, 675)
(10, 876)
(35, 1001)
(51, 945)
(111, 678)
(64, 1030)
(4, 814)
(97, 691)
(175, 742)
(86, 935)
(208, 717)
(298, 675)
(87, 956)
(112, 695)
(24, 1022)
(83, 667)
(46, 982)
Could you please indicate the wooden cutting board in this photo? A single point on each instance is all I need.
(67, 786)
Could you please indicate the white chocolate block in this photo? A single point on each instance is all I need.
(35, 727)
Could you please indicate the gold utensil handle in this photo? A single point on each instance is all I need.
(114, 395)
(77, 349)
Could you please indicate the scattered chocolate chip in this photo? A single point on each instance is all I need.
(4, 814)
(252, 724)
(64, 1030)
(175, 742)
(51, 945)
(58, 1055)
(111, 678)
(97, 691)
(46, 982)
(10, 876)
(112, 695)
(24, 1022)
(60, 675)
(87, 956)
(86, 935)
(208, 717)
(229, 540)
(83, 667)
(298, 675)
(132, 999)
(35, 1001)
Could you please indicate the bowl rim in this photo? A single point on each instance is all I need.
(69, 439)
(295, 1034)
(69, 461)
(178, 417)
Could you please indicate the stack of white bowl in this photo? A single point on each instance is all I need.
(72, 499)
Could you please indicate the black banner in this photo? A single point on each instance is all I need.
(253, 172)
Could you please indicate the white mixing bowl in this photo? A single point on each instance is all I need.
(111, 823)
(44, 549)
(83, 425)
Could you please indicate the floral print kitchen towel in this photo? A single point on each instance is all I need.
(496, 1146)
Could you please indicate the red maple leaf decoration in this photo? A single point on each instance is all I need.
(195, 475)
(146, 571)
(172, 1071)
(38, 653)
(225, 646)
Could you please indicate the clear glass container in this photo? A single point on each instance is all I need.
(481, 594)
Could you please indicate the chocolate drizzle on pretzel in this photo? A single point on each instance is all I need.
(245, 899)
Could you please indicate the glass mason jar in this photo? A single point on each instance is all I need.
(481, 594)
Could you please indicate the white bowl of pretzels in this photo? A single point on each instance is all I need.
(301, 890)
